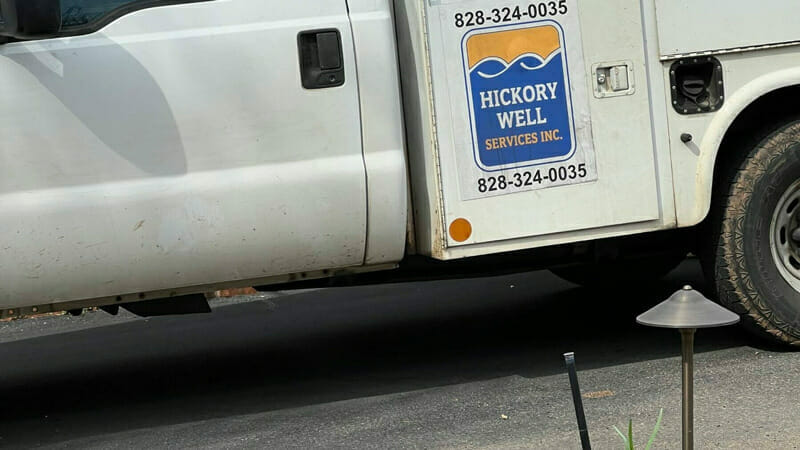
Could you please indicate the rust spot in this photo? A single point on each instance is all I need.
(235, 292)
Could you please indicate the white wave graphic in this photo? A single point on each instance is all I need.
(543, 62)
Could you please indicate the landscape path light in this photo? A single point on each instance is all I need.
(687, 310)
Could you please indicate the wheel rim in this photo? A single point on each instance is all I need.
(785, 235)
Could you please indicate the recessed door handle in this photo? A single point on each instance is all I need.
(321, 60)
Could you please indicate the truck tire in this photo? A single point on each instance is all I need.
(753, 256)
(628, 272)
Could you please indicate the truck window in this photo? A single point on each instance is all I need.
(80, 16)
(79, 13)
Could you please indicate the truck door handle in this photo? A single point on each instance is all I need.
(321, 60)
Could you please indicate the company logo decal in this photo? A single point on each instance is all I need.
(517, 83)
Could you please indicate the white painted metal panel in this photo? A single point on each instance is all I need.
(176, 147)
(412, 43)
(686, 26)
(382, 129)
(748, 76)
(626, 189)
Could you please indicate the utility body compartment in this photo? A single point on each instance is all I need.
(515, 117)
(691, 26)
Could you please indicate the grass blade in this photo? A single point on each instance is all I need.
(630, 435)
(655, 430)
(624, 439)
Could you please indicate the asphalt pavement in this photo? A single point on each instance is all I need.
(471, 363)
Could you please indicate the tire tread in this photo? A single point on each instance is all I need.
(734, 286)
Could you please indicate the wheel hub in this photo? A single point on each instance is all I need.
(785, 235)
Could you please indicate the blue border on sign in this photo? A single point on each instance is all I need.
(473, 136)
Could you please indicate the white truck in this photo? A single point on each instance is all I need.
(157, 149)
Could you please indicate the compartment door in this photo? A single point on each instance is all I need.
(542, 116)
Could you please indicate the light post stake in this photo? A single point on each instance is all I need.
(583, 429)
(687, 310)
(687, 387)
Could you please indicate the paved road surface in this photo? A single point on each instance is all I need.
(423, 365)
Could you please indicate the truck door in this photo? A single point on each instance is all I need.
(154, 145)
(543, 122)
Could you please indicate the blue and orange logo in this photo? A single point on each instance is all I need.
(517, 82)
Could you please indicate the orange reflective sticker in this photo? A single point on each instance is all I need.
(460, 230)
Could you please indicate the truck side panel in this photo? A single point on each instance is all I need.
(758, 47)
(382, 129)
(748, 76)
(621, 131)
(176, 147)
(689, 26)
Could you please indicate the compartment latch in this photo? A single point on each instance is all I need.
(613, 79)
